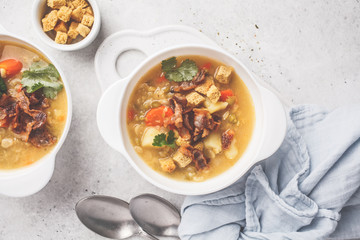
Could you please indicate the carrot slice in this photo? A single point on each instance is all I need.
(225, 94)
(161, 79)
(11, 66)
(206, 66)
(156, 116)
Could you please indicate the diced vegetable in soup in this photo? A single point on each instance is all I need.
(190, 118)
(33, 106)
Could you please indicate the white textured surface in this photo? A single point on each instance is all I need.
(309, 51)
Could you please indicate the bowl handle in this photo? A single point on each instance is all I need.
(108, 114)
(28, 181)
(274, 123)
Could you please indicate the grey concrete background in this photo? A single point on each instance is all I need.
(309, 51)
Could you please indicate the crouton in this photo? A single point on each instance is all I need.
(203, 88)
(70, 4)
(182, 142)
(79, 3)
(83, 30)
(64, 13)
(89, 11)
(181, 159)
(61, 27)
(77, 14)
(87, 20)
(213, 94)
(56, 3)
(61, 37)
(167, 165)
(73, 33)
(199, 146)
(49, 21)
(194, 98)
(223, 73)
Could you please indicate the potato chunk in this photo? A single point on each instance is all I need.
(148, 136)
(213, 142)
(232, 152)
(214, 107)
(223, 73)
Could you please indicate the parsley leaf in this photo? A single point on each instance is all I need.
(168, 64)
(188, 69)
(3, 87)
(186, 72)
(161, 140)
(38, 77)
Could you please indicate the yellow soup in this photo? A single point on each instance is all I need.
(15, 151)
(151, 111)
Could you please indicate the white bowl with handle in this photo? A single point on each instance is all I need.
(25, 181)
(268, 134)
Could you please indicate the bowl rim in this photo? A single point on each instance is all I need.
(9, 173)
(36, 21)
(121, 108)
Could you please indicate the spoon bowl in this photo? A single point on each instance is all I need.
(155, 215)
(108, 216)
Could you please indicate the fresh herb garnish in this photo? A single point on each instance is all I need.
(186, 72)
(3, 87)
(38, 77)
(161, 140)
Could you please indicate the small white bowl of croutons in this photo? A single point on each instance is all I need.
(66, 25)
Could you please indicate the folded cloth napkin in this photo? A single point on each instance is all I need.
(308, 189)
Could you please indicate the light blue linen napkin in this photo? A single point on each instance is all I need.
(309, 189)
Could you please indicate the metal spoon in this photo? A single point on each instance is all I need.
(155, 215)
(109, 217)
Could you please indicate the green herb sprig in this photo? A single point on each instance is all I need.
(161, 140)
(185, 72)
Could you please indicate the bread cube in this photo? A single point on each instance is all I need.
(89, 11)
(77, 14)
(56, 3)
(194, 98)
(49, 21)
(204, 87)
(83, 30)
(167, 165)
(73, 33)
(199, 146)
(182, 142)
(87, 20)
(61, 27)
(61, 37)
(181, 160)
(64, 13)
(79, 3)
(223, 74)
(213, 94)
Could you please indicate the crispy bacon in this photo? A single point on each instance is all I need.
(201, 162)
(226, 138)
(24, 115)
(200, 76)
